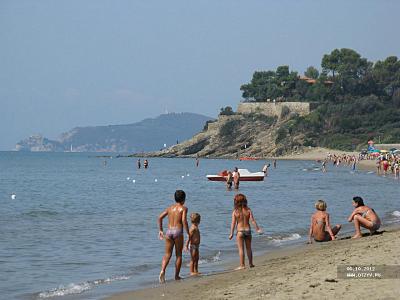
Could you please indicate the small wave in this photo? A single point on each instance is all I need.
(78, 288)
(66, 290)
(396, 213)
(40, 213)
(292, 237)
(215, 258)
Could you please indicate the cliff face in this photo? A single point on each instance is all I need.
(253, 135)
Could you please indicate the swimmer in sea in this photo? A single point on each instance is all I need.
(229, 180)
(236, 178)
(177, 222)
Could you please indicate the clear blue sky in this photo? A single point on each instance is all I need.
(70, 63)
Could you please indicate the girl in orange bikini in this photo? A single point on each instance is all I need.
(241, 216)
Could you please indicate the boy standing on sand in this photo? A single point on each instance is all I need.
(193, 243)
(177, 221)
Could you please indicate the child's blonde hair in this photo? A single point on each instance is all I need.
(195, 218)
(321, 205)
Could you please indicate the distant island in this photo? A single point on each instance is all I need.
(148, 135)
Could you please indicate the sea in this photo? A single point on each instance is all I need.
(84, 226)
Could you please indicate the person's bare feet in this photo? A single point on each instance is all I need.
(252, 266)
(356, 236)
(161, 277)
(178, 278)
(240, 268)
(195, 274)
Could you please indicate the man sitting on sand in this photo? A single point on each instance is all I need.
(177, 221)
(320, 228)
(363, 216)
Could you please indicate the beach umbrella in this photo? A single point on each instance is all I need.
(393, 149)
(375, 154)
(384, 151)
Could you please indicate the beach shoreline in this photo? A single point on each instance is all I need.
(322, 153)
(304, 271)
(295, 271)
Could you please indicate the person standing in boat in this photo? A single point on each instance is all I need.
(236, 178)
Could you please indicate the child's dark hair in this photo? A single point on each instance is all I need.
(180, 196)
(240, 201)
(195, 218)
(359, 201)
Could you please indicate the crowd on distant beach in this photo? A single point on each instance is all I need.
(386, 163)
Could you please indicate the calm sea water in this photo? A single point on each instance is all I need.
(79, 229)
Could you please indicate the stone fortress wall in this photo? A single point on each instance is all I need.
(273, 108)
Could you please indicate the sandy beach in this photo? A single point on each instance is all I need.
(301, 272)
(305, 272)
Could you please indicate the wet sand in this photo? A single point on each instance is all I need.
(304, 272)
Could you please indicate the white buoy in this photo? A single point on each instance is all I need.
(133, 180)
(13, 196)
(155, 180)
(183, 176)
(187, 174)
(128, 178)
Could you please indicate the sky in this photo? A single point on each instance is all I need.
(70, 63)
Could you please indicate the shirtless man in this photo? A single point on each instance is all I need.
(241, 217)
(363, 216)
(177, 222)
(320, 227)
(236, 178)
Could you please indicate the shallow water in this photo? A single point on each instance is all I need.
(79, 229)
